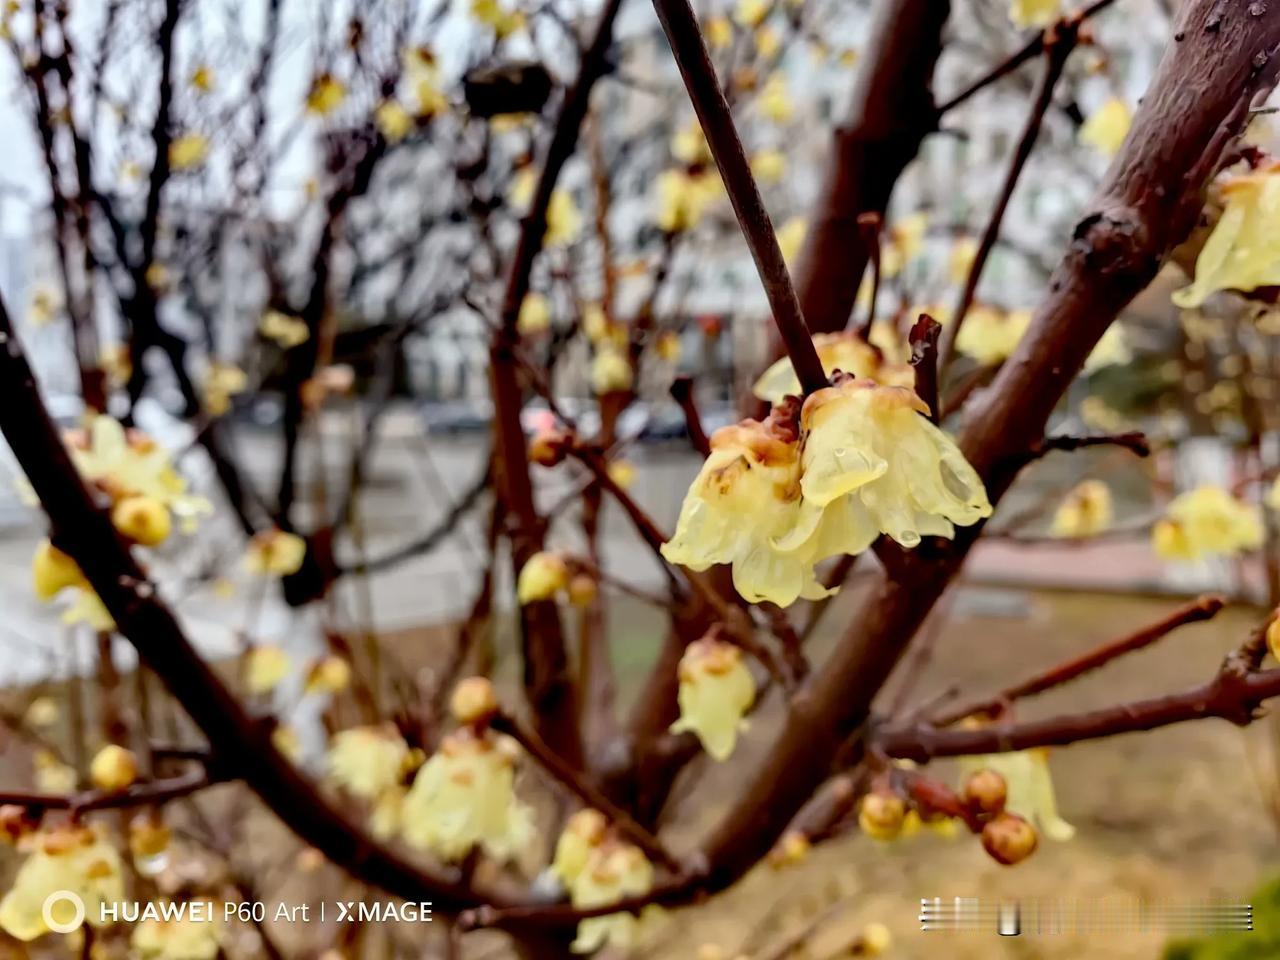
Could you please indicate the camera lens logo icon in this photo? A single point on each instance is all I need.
(55, 915)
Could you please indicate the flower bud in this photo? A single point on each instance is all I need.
(473, 700)
(582, 590)
(882, 815)
(984, 793)
(542, 577)
(1009, 839)
(148, 836)
(548, 447)
(52, 570)
(874, 941)
(792, 848)
(144, 520)
(114, 769)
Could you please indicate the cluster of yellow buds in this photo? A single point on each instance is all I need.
(464, 795)
(1207, 521)
(548, 574)
(716, 690)
(68, 857)
(1085, 512)
(846, 352)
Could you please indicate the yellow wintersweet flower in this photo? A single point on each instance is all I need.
(769, 166)
(667, 346)
(52, 571)
(393, 121)
(1107, 127)
(543, 576)
(41, 713)
(179, 937)
(114, 768)
(1243, 251)
(51, 774)
(751, 13)
(1207, 521)
(964, 251)
(602, 331)
(117, 363)
(287, 742)
(65, 858)
(791, 236)
(284, 329)
(1029, 787)
(326, 95)
(564, 222)
(613, 872)
(716, 690)
(583, 832)
(202, 78)
(745, 497)
(1034, 13)
(265, 667)
(491, 13)
(845, 351)
(88, 608)
(464, 796)
(222, 381)
(873, 464)
(990, 335)
(903, 241)
(1086, 511)
(275, 552)
(143, 520)
(1111, 350)
(611, 371)
(534, 316)
(622, 472)
(368, 761)
(719, 32)
(44, 306)
(775, 99)
(683, 198)
(188, 151)
(689, 145)
(768, 43)
(330, 675)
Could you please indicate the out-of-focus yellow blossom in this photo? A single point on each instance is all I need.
(745, 497)
(330, 675)
(964, 251)
(464, 796)
(1243, 251)
(874, 464)
(683, 198)
(769, 166)
(622, 472)
(491, 13)
(326, 95)
(430, 98)
(775, 99)
(881, 815)
(583, 832)
(719, 32)
(386, 819)
(667, 346)
(844, 351)
(751, 13)
(114, 768)
(716, 690)
(1029, 787)
(149, 840)
(157, 276)
(144, 520)
(523, 184)
(792, 848)
(117, 363)
(265, 667)
(65, 858)
(875, 940)
(1034, 13)
(286, 330)
(613, 872)
(188, 151)
(41, 713)
(179, 937)
(202, 78)
(791, 236)
(990, 335)
(1107, 127)
(611, 372)
(473, 701)
(1085, 512)
(903, 241)
(286, 740)
(368, 761)
(1111, 350)
(894, 349)
(543, 576)
(393, 120)
(51, 774)
(564, 222)
(600, 330)
(44, 306)
(52, 571)
(534, 316)
(222, 381)
(768, 43)
(689, 145)
(88, 608)
(275, 553)
(1207, 521)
